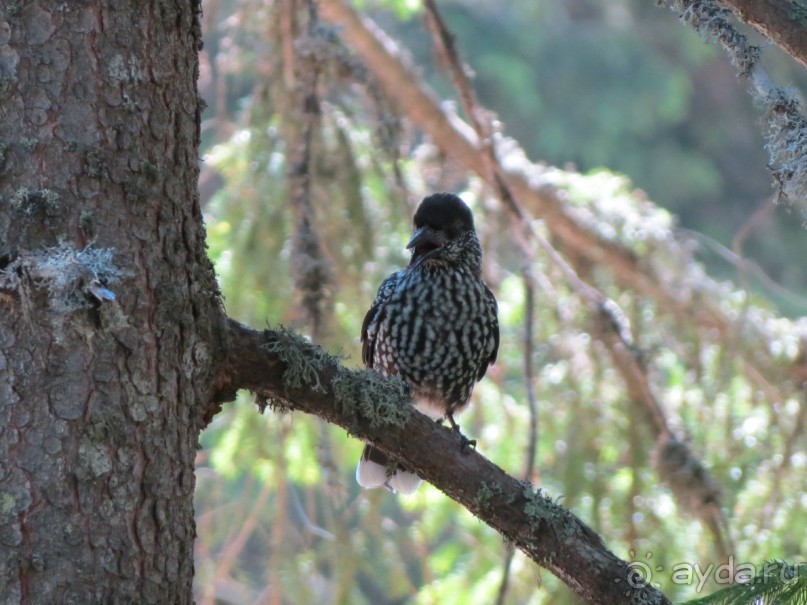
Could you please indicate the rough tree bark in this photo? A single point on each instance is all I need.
(101, 400)
(783, 21)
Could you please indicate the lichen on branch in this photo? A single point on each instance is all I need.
(280, 365)
(786, 131)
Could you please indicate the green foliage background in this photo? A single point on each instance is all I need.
(613, 84)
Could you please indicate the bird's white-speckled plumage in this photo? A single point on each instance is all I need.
(433, 323)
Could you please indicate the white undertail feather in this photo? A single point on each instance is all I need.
(370, 475)
(404, 482)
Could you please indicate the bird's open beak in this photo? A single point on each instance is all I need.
(426, 239)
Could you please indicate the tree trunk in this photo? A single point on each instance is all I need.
(109, 311)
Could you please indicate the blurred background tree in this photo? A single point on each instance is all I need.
(594, 87)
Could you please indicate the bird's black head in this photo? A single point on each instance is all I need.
(444, 231)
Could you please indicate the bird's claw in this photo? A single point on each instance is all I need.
(465, 443)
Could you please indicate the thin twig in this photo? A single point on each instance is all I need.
(287, 25)
(596, 300)
(532, 405)
(231, 550)
(760, 214)
(747, 268)
(681, 290)
(311, 272)
(793, 441)
(444, 42)
(443, 38)
(305, 519)
(613, 327)
(529, 371)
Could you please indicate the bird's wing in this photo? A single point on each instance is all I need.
(494, 347)
(369, 327)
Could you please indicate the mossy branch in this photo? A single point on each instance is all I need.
(293, 374)
(783, 22)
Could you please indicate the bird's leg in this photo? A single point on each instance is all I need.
(465, 443)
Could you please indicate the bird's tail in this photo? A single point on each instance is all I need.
(375, 469)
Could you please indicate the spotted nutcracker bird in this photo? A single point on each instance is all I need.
(434, 324)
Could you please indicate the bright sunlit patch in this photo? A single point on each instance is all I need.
(754, 424)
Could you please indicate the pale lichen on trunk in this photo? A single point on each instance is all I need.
(109, 310)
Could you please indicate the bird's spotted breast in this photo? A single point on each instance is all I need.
(436, 332)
